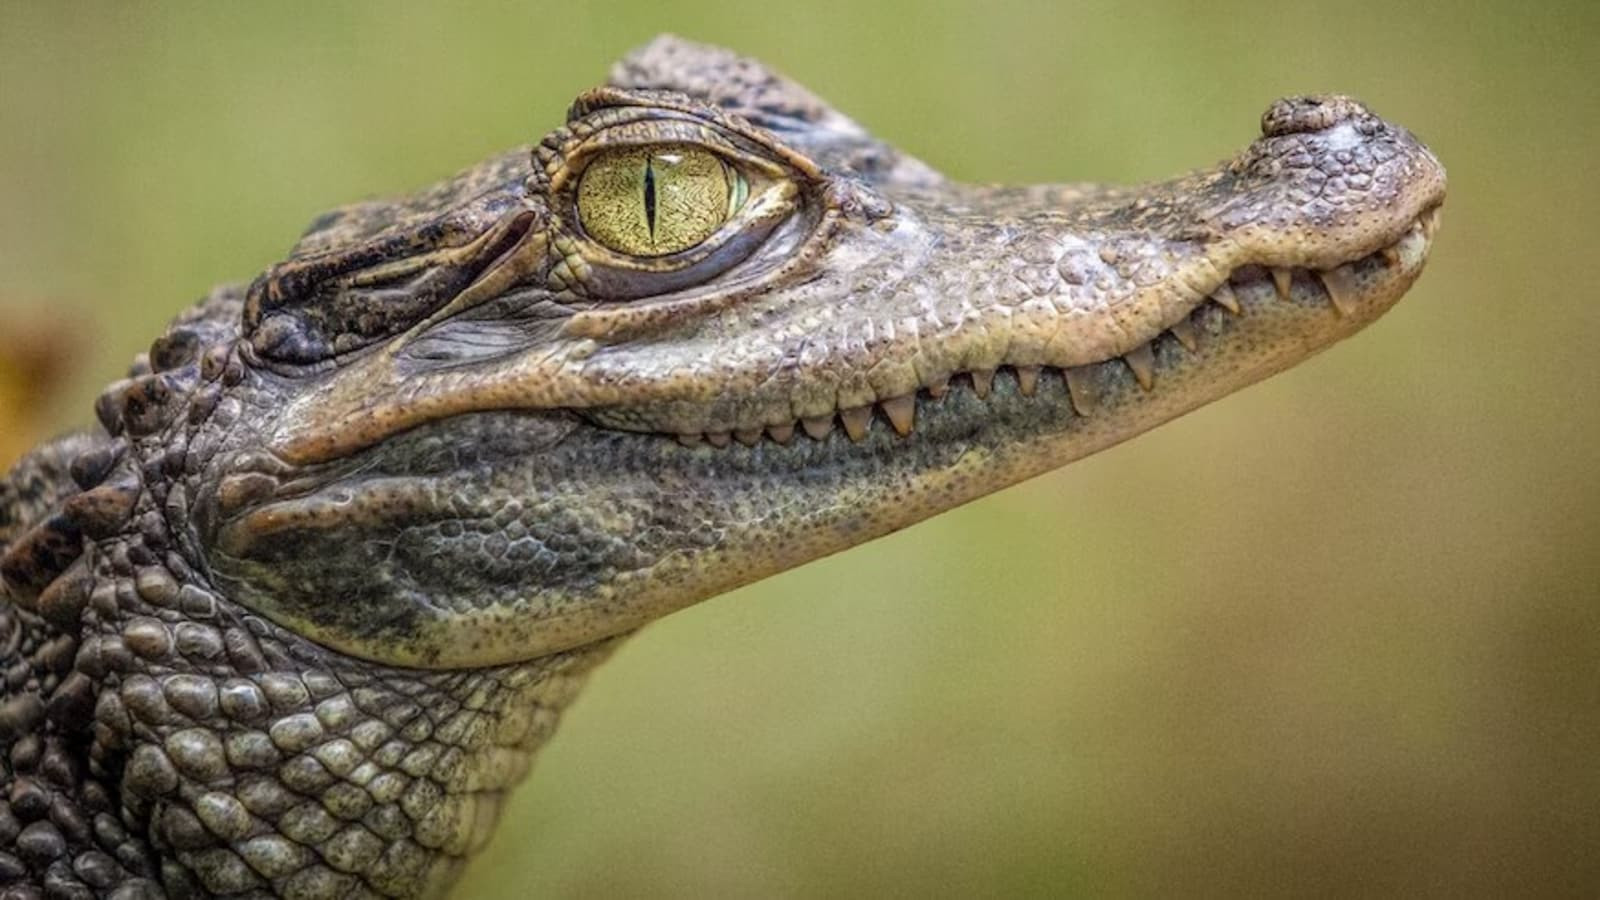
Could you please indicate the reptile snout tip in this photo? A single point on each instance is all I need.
(1301, 115)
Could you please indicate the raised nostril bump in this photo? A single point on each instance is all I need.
(1297, 115)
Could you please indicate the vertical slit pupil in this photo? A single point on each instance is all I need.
(650, 196)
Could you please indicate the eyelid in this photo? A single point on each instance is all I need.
(667, 130)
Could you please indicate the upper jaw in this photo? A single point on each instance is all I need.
(951, 280)
(966, 281)
(866, 386)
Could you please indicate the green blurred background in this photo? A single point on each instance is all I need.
(1339, 633)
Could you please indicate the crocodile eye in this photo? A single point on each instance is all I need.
(657, 200)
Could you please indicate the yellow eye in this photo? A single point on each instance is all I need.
(652, 201)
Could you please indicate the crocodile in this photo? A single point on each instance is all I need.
(296, 616)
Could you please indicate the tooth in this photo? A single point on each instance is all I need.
(748, 436)
(856, 421)
(1078, 390)
(718, 438)
(818, 427)
(1341, 289)
(1184, 331)
(1282, 279)
(902, 413)
(1391, 255)
(1027, 380)
(690, 440)
(982, 381)
(1430, 223)
(1142, 360)
(939, 387)
(1225, 296)
(783, 434)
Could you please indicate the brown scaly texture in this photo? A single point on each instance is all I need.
(297, 615)
(163, 741)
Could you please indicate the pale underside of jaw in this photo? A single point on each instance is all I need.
(1342, 287)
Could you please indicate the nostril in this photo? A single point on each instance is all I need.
(1297, 115)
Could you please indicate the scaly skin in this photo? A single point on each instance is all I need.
(297, 618)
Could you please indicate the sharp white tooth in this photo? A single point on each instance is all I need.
(783, 434)
(939, 387)
(690, 440)
(1185, 332)
(718, 438)
(1341, 289)
(902, 413)
(982, 382)
(1226, 298)
(818, 427)
(748, 436)
(1142, 360)
(1430, 223)
(856, 421)
(1283, 280)
(1027, 380)
(1078, 390)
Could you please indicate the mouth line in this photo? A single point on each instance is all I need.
(1343, 287)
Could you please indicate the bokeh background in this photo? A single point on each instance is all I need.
(1339, 633)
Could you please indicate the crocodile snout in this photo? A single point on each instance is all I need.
(1301, 115)
(1329, 181)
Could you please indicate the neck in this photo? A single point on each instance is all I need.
(158, 735)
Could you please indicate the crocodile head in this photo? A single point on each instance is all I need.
(710, 329)
(354, 535)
